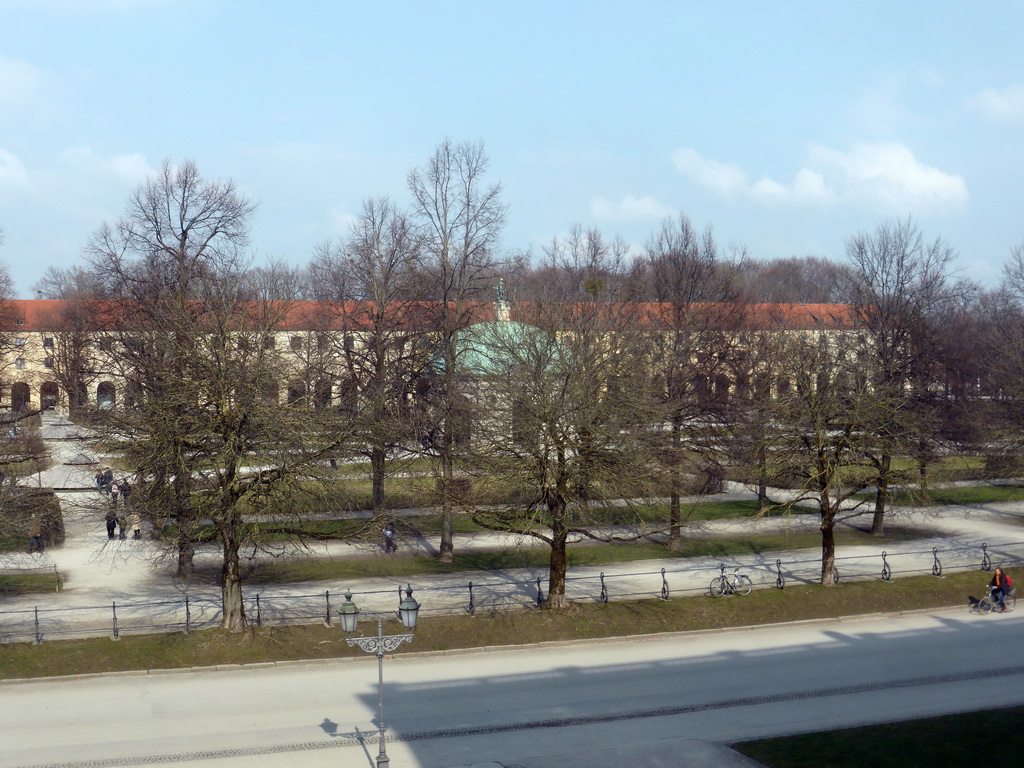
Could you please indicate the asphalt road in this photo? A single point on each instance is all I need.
(601, 704)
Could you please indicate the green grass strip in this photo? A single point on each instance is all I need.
(581, 621)
(993, 738)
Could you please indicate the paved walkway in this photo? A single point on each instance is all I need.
(133, 581)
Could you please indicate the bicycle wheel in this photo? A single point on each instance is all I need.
(717, 586)
(985, 605)
(1011, 601)
(743, 585)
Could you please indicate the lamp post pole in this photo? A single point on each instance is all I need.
(379, 646)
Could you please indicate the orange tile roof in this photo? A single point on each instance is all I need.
(45, 314)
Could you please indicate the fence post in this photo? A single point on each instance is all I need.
(471, 608)
(664, 585)
(39, 634)
(886, 570)
(56, 579)
(986, 561)
(780, 580)
(188, 617)
(327, 616)
(604, 590)
(936, 564)
(113, 609)
(259, 613)
(540, 595)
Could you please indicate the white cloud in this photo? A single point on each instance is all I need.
(726, 180)
(12, 172)
(883, 175)
(341, 221)
(131, 168)
(1002, 106)
(19, 81)
(890, 174)
(630, 208)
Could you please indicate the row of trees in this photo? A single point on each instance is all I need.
(632, 378)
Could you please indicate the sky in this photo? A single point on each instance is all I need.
(786, 126)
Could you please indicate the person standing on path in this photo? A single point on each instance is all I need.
(389, 538)
(111, 520)
(35, 536)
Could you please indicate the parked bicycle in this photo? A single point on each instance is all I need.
(734, 583)
(988, 602)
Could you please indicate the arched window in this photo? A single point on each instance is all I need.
(21, 396)
(105, 395)
(49, 395)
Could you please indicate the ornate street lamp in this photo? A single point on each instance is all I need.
(408, 608)
(349, 613)
(379, 646)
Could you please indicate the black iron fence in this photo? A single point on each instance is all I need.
(486, 595)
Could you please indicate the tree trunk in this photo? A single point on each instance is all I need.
(762, 477)
(828, 548)
(180, 493)
(231, 584)
(559, 564)
(923, 479)
(446, 551)
(185, 547)
(377, 464)
(675, 541)
(882, 497)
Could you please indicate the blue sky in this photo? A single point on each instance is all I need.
(788, 126)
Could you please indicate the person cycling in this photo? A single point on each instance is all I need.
(1000, 586)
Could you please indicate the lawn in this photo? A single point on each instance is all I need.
(281, 571)
(953, 741)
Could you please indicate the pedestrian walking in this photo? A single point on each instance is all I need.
(99, 482)
(389, 538)
(111, 520)
(122, 524)
(108, 479)
(115, 491)
(136, 520)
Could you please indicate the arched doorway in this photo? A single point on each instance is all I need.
(105, 395)
(21, 396)
(296, 393)
(270, 393)
(324, 395)
(49, 395)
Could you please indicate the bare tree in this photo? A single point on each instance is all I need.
(368, 292)
(899, 285)
(461, 217)
(794, 280)
(73, 327)
(821, 423)
(192, 335)
(1000, 385)
(694, 324)
(567, 430)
